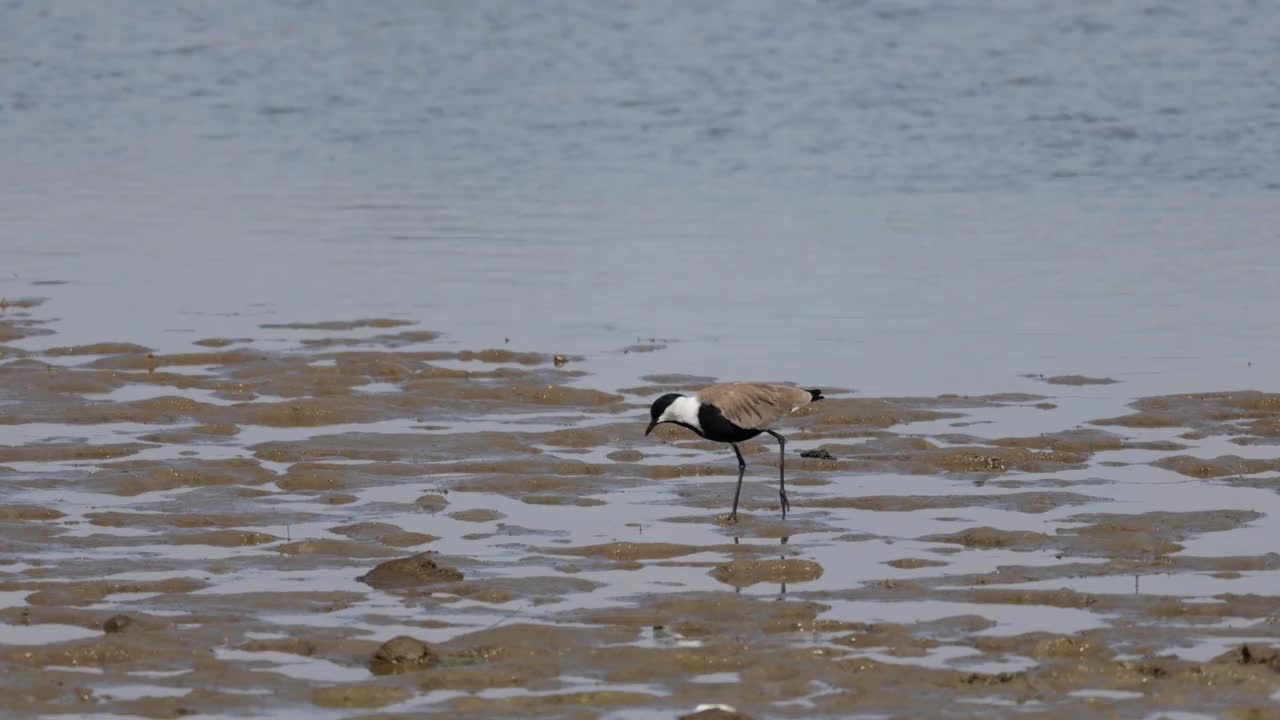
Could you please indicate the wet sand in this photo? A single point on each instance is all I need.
(373, 525)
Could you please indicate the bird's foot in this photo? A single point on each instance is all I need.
(786, 504)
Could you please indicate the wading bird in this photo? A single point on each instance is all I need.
(734, 412)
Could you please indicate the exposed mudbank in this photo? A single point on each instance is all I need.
(374, 524)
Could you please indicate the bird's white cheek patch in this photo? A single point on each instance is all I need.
(684, 410)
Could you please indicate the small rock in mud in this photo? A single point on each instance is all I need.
(402, 654)
(818, 454)
(116, 623)
(407, 572)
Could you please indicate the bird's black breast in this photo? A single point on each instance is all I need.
(715, 426)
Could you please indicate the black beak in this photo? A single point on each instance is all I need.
(649, 429)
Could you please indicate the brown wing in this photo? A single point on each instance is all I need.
(754, 405)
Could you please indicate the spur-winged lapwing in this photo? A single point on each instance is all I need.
(734, 412)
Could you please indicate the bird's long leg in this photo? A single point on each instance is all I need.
(742, 468)
(782, 472)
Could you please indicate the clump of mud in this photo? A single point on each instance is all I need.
(402, 654)
(409, 572)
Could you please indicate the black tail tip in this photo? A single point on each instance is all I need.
(817, 395)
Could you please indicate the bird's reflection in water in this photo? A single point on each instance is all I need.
(782, 587)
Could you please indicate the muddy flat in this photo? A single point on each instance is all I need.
(380, 526)
(328, 331)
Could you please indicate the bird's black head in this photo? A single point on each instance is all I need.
(659, 407)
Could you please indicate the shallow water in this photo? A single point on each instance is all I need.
(316, 220)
